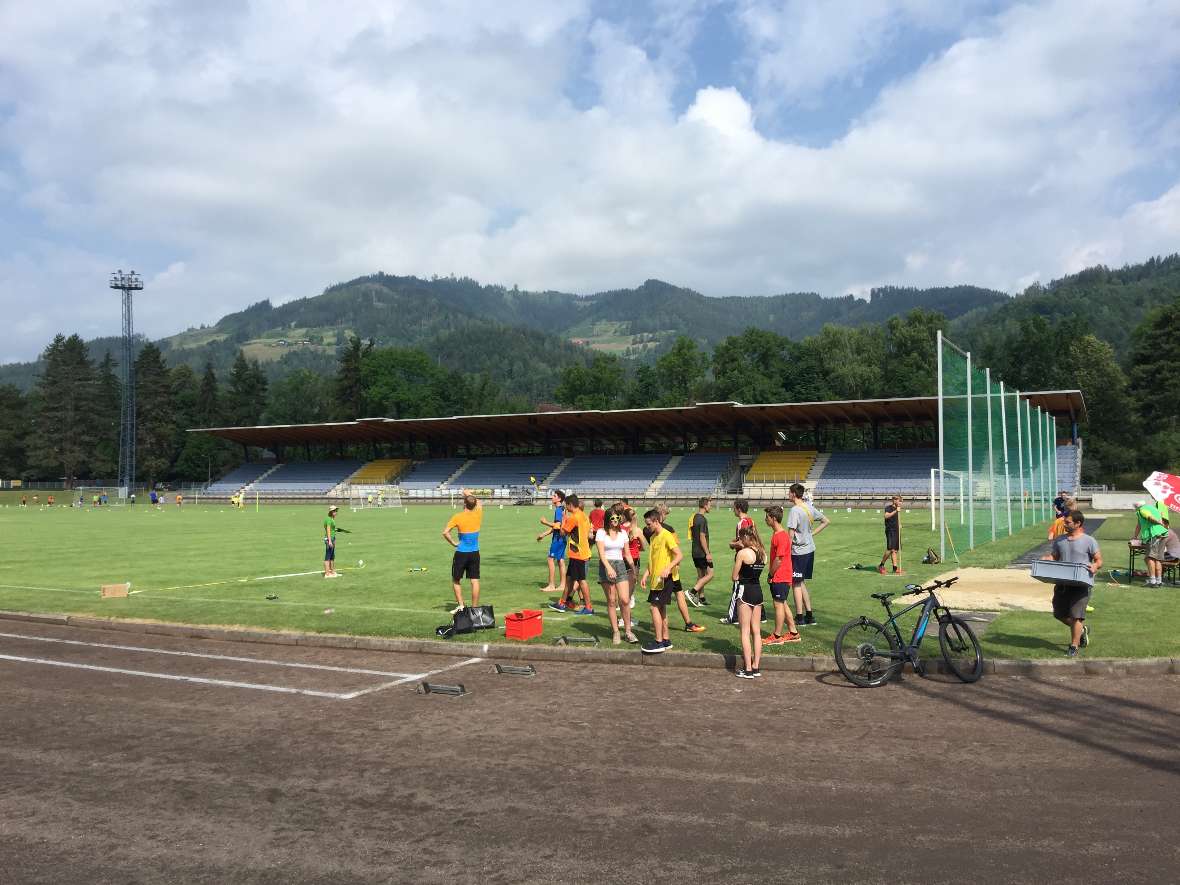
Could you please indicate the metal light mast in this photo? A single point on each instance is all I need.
(127, 283)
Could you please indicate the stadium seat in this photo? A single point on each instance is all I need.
(611, 474)
(240, 476)
(779, 466)
(698, 473)
(497, 472)
(303, 479)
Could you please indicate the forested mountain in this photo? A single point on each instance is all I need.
(406, 347)
(522, 338)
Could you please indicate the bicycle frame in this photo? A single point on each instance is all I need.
(930, 606)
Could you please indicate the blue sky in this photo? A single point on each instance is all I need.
(232, 152)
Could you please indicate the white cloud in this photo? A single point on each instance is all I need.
(236, 155)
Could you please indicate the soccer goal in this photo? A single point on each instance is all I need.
(367, 497)
(89, 496)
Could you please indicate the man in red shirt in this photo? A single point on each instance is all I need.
(780, 570)
(597, 520)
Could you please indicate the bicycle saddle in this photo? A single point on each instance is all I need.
(881, 596)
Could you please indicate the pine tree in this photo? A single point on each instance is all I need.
(107, 412)
(62, 440)
(154, 417)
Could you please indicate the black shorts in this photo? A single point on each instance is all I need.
(663, 595)
(465, 564)
(801, 565)
(329, 552)
(750, 594)
(1070, 602)
(780, 590)
(892, 540)
(702, 562)
(576, 570)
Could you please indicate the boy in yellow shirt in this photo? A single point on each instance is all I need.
(664, 556)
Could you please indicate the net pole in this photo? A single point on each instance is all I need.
(1040, 425)
(970, 466)
(991, 458)
(1007, 475)
(933, 508)
(1028, 434)
(941, 457)
(1019, 456)
(1051, 466)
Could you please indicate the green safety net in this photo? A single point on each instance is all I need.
(998, 457)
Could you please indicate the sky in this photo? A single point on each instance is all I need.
(234, 151)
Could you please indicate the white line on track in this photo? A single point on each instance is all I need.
(193, 654)
(46, 589)
(175, 678)
(364, 691)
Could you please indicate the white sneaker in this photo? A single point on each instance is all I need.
(457, 609)
(620, 620)
(632, 602)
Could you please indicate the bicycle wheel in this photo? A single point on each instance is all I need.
(866, 653)
(960, 649)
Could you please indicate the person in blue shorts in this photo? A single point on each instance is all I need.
(557, 559)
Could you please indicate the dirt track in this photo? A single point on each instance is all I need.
(588, 774)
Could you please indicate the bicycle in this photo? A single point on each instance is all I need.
(869, 653)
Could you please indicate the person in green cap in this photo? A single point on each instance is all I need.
(330, 531)
(1152, 530)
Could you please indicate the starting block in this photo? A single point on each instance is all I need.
(116, 591)
(513, 670)
(440, 688)
(576, 640)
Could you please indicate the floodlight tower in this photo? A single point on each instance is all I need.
(127, 283)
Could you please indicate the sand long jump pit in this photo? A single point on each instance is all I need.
(999, 590)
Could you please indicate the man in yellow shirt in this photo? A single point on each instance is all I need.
(466, 560)
(664, 557)
(575, 526)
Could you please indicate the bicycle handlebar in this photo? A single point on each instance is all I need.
(934, 586)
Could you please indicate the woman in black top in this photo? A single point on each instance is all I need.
(747, 576)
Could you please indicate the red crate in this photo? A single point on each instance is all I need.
(523, 624)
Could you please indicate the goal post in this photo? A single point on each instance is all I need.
(375, 496)
(110, 496)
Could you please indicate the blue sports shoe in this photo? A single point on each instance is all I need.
(557, 606)
(584, 611)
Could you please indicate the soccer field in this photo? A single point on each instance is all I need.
(213, 565)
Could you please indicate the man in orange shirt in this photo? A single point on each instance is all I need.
(575, 526)
(466, 560)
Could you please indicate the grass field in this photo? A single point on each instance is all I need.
(213, 565)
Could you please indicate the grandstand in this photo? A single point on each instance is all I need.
(877, 473)
(430, 475)
(383, 471)
(1069, 467)
(238, 478)
(613, 474)
(501, 472)
(716, 436)
(698, 474)
(305, 479)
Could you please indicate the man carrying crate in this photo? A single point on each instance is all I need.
(1070, 600)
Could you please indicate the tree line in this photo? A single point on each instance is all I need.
(67, 426)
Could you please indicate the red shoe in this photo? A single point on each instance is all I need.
(773, 639)
(791, 637)
(880, 569)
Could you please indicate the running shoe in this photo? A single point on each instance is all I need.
(632, 638)
(691, 595)
(584, 610)
(667, 643)
(743, 674)
(810, 619)
(632, 601)
(792, 637)
(1085, 635)
(654, 647)
(773, 639)
(693, 628)
(756, 672)
(701, 597)
(1071, 652)
(557, 606)
(880, 569)
(454, 611)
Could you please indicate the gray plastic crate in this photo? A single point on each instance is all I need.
(1070, 574)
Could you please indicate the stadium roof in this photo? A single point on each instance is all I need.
(724, 417)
